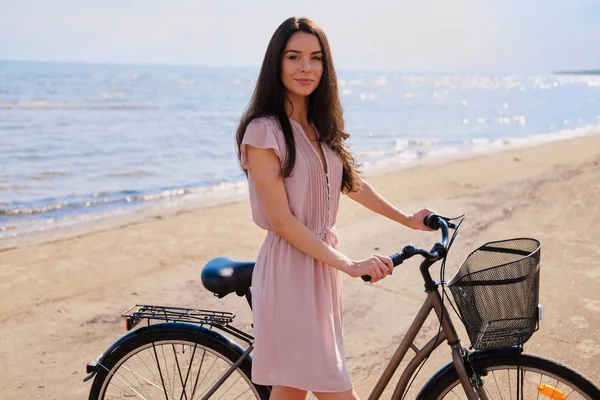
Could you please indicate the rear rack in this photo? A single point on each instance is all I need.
(139, 312)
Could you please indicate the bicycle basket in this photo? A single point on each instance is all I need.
(497, 291)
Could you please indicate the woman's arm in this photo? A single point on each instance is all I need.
(266, 173)
(371, 199)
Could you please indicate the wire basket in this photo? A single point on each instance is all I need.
(497, 291)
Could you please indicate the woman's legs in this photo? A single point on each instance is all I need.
(287, 393)
(347, 395)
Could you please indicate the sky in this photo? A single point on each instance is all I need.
(416, 35)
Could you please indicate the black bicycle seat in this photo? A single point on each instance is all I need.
(222, 276)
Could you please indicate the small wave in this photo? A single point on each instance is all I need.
(122, 107)
(402, 158)
(32, 210)
(482, 144)
(44, 105)
(47, 175)
(424, 142)
(109, 95)
(14, 187)
(403, 144)
(479, 142)
(30, 157)
(132, 174)
(14, 227)
(373, 153)
(113, 200)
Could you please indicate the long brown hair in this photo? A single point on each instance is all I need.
(324, 107)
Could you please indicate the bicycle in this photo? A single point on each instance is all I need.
(187, 356)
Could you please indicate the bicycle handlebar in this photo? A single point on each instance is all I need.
(438, 250)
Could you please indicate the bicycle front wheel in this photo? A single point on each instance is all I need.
(173, 364)
(518, 376)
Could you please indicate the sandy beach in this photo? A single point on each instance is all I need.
(61, 293)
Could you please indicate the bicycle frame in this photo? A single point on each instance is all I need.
(447, 332)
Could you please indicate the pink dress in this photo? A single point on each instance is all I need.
(296, 299)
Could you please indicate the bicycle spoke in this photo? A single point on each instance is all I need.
(497, 387)
(113, 375)
(198, 375)
(205, 375)
(160, 371)
(148, 368)
(127, 392)
(213, 382)
(137, 378)
(524, 374)
(243, 393)
(183, 393)
(509, 386)
(168, 380)
(230, 386)
(519, 375)
(146, 380)
(187, 375)
(488, 392)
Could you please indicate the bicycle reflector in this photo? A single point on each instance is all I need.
(130, 322)
(551, 392)
(91, 367)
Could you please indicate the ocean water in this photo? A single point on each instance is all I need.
(80, 142)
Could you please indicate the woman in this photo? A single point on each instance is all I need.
(291, 145)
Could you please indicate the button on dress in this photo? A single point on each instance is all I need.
(296, 299)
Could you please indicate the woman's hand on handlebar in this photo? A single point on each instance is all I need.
(415, 221)
(376, 266)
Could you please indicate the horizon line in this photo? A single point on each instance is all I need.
(257, 67)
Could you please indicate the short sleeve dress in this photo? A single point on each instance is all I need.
(296, 299)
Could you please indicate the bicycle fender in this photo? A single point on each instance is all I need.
(174, 326)
(475, 355)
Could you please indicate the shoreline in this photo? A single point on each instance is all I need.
(143, 212)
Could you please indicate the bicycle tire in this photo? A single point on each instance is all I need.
(154, 342)
(558, 376)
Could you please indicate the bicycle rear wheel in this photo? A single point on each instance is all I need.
(173, 364)
(514, 376)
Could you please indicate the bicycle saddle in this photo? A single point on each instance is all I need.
(222, 276)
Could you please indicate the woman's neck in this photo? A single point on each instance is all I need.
(296, 108)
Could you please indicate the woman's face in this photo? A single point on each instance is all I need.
(302, 64)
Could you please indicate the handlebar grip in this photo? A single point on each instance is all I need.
(432, 221)
(396, 260)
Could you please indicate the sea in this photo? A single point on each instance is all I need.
(81, 142)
